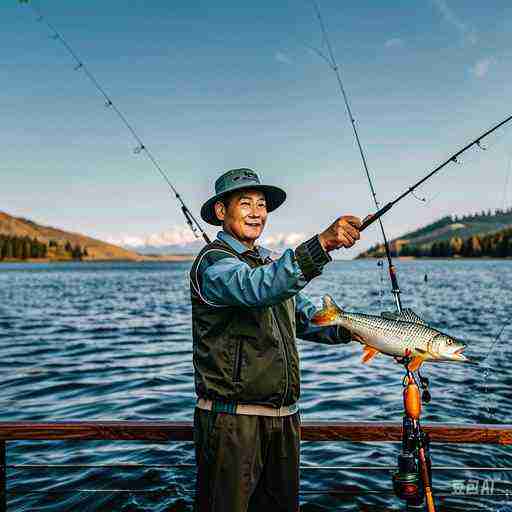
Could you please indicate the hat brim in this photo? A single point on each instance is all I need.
(274, 197)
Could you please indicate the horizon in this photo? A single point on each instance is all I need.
(213, 88)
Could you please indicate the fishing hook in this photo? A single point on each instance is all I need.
(422, 199)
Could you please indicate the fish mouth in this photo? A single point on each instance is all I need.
(459, 356)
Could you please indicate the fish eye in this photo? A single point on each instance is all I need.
(449, 342)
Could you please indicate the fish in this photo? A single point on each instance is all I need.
(398, 335)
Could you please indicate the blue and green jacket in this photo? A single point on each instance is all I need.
(247, 310)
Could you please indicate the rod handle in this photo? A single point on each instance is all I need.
(375, 216)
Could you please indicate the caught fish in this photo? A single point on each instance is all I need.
(398, 335)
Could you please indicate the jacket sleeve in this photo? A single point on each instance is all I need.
(331, 335)
(232, 282)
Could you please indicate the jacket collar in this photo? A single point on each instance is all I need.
(240, 248)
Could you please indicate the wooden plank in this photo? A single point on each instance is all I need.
(311, 431)
(392, 432)
(3, 477)
(97, 430)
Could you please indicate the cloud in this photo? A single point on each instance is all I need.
(176, 235)
(481, 66)
(465, 32)
(283, 240)
(394, 42)
(182, 236)
(282, 58)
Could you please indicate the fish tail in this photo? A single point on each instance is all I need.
(329, 313)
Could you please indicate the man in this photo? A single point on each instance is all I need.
(246, 311)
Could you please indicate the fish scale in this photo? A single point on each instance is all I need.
(393, 334)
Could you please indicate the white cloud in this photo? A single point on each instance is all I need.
(394, 42)
(465, 32)
(282, 58)
(482, 66)
(283, 240)
(176, 235)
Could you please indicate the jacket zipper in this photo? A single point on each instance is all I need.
(238, 362)
(285, 355)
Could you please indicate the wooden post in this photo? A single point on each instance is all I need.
(3, 477)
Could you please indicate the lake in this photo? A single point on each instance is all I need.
(113, 341)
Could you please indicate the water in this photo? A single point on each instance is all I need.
(113, 341)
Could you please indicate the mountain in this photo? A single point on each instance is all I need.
(449, 231)
(179, 241)
(189, 249)
(96, 249)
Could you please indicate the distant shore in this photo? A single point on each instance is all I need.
(435, 258)
(143, 258)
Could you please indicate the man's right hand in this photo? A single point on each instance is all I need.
(344, 232)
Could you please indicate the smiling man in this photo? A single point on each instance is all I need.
(247, 310)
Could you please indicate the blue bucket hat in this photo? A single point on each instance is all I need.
(238, 179)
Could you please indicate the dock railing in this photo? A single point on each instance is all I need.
(165, 431)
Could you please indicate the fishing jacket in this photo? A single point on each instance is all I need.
(248, 354)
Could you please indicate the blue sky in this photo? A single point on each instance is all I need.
(216, 85)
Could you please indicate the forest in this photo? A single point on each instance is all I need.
(25, 248)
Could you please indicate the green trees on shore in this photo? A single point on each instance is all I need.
(495, 245)
(24, 248)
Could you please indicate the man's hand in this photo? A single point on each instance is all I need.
(344, 232)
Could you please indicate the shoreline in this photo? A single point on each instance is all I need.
(170, 258)
(443, 258)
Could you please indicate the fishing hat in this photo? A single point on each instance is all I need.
(238, 179)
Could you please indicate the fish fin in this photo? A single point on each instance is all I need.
(420, 350)
(407, 315)
(389, 315)
(357, 337)
(328, 314)
(415, 363)
(369, 353)
(328, 302)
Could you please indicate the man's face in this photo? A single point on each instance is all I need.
(244, 215)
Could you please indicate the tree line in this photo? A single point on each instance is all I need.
(24, 248)
(495, 245)
(498, 212)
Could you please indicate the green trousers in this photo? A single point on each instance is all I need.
(246, 463)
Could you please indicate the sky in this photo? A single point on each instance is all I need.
(211, 86)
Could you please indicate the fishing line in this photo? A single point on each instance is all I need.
(507, 178)
(487, 372)
(471, 157)
(494, 343)
(452, 159)
(109, 102)
(332, 63)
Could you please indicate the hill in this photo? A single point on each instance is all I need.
(469, 235)
(25, 231)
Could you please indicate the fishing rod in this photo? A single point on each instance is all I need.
(452, 159)
(141, 147)
(332, 63)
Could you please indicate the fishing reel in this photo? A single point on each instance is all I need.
(407, 481)
(414, 462)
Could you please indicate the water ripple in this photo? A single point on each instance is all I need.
(113, 341)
